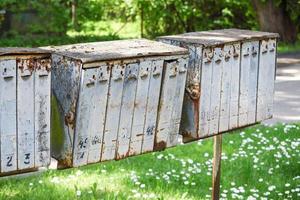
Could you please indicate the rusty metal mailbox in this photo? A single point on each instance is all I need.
(24, 109)
(116, 99)
(230, 81)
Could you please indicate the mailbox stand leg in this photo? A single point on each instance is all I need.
(216, 167)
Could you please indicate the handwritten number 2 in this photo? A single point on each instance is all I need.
(9, 162)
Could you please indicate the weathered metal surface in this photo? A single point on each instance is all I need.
(172, 139)
(8, 112)
(42, 108)
(140, 108)
(24, 112)
(166, 126)
(127, 109)
(113, 113)
(111, 107)
(116, 50)
(237, 80)
(234, 86)
(155, 78)
(23, 51)
(98, 113)
(215, 38)
(266, 78)
(66, 76)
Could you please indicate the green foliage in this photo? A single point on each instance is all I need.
(177, 16)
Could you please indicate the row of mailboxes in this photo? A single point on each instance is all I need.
(24, 109)
(117, 99)
(122, 98)
(230, 81)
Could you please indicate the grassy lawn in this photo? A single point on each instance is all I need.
(260, 161)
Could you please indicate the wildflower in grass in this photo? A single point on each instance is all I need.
(137, 195)
(142, 186)
(103, 171)
(186, 182)
(287, 185)
(206, 155)
(271, 188)
(78, 173)
(78, 193)
(30, 184)
(160, 156)
(193, 183)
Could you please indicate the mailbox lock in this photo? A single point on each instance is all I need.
(144, 74)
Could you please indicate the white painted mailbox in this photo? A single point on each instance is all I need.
(230, 81)
(24, 109)
(116, 99)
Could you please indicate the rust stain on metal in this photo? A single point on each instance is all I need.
(188, 137)
(193, 91)
(26, 64)
(70, 116)
(66, 162)
(162, 145)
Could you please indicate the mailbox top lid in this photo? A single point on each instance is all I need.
(220, 37)
(116, 50)
(21, 51)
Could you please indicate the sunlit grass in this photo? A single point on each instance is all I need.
(257, 162)
(114, 28)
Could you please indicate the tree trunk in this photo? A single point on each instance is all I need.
(74, 15)
(275, 18)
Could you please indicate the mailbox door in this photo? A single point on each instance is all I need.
(271, 65)
(25, 113)
(244, 83)
(235, 87)
(266, 77)
(113, 113)
(8, 115)
(225, 88)
(177, 103)
(215, 91)
(42, 82)
(138, 123)
(127, 109)
(98, 104)
(205, 91)
(81, 138)
(166, 104)
(253, 82)
(152, 105)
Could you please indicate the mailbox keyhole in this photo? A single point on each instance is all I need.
(121, 72)
(129, 71)
(5, 70)
(101, 74)
(154, 68)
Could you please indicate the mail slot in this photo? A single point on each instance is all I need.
(230, 80)
(116, 99)
(25, 86)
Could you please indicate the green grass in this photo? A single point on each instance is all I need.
(259, 161)
(288, 48)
